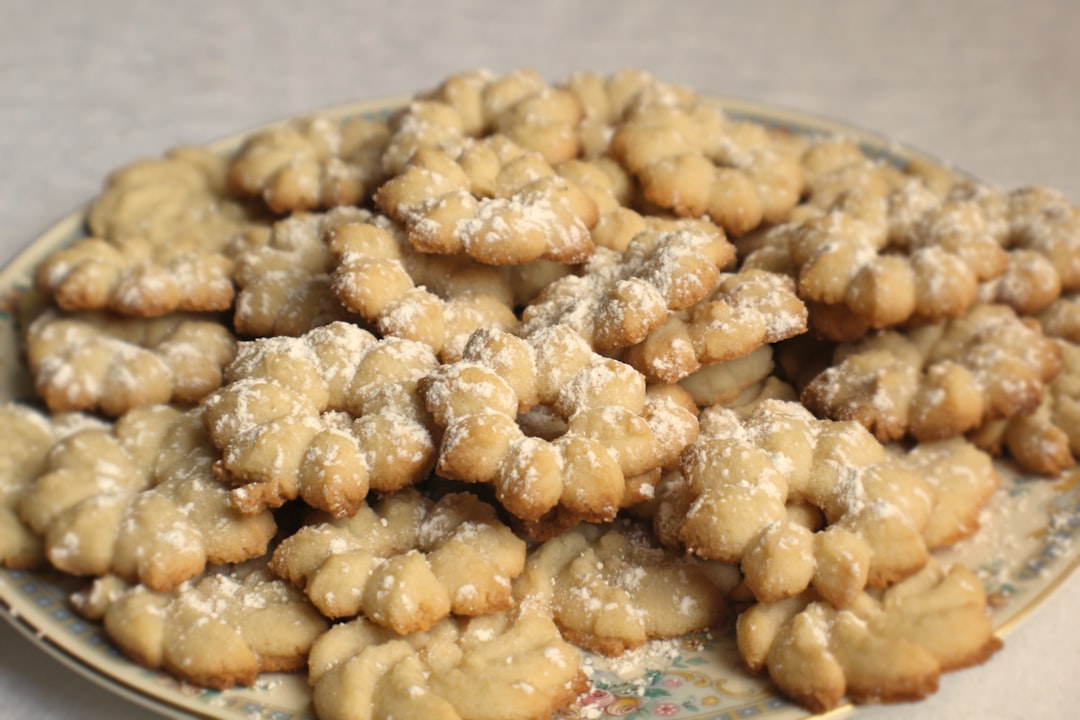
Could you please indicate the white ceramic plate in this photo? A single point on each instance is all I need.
(1023, 552)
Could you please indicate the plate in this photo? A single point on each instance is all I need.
(1025, 549)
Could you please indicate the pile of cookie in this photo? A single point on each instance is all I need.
(425, 404)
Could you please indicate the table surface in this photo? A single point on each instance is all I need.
(989, 86)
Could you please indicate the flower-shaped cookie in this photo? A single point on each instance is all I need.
(1029, 284)
(406, 562)
(876, 262)
(283, 275)
(745, 310)
(1031, 221)
(938, 380)
(1061, 318)
(963, 478)
(179, 196)
(492, 667)
(438, 300)
(217, 631)
(140, 501)
(495, 202)
(612, 189)
(137, 277)
(519, 105)
(888, 648)
(615, 195)
(28, 437)
(158, 233)
(691, 159)
(612, 588)
(97, 361)
(323, 417)
(836, 166)
(739, 477)
(612, 432)
(622, 297)
(1047, 440)
(312, 163)
(606, 98)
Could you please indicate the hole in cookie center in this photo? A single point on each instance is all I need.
(542, 422)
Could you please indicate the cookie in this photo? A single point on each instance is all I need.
(610, 588)
(876, 262)
(495, 201)
(1061, 318)
(724, 382)
(737, 479)
(835, 166)
(693, 160)
(963, 479)
(283, 275)
(620, 213)
(29, 436)
(323, 417)
(745, 311)
(519, 105)
(1035, 219)
(492, 667)
(217, 631)
(612, 433)
(1047, 440)
(670, 404)
(939, 380)
(622, 297)
(883, 648)
(97, 361)
(406, 562)
(606, 98)
(179, 196)
(610, 187)
(313, 163)
(1029, 284)
(438, 300)
(140, 500)
(136, 278)
(157, 237)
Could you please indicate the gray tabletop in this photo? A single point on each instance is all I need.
(988, 85)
